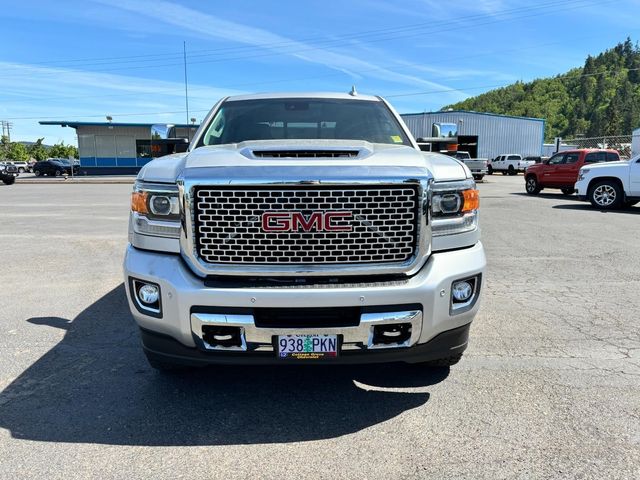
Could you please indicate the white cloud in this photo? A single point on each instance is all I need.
(210, 26)
(35, 92)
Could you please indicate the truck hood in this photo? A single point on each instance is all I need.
(312, 157)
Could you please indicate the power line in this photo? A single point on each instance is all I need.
(322, 39)
(289, 79)
(429, 92)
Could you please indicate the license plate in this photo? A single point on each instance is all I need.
(307, 347)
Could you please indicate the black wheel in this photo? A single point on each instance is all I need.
(606, 195)
(532, 186)
(58, 173)
(37, 173)
(444, 362)
(9, 180)
(489, 170)
(166, 367)
(568, 191)
(478, 177)
(511, 170)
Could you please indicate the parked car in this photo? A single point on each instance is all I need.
(510, 163)
(478, 166)
(21, 166)
(610, 185)
(54, 167)
(561, 170)
(8, 173)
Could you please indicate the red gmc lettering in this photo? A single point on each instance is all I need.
(296, 221)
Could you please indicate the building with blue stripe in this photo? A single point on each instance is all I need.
(116, 148)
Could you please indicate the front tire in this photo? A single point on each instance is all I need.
(21, 170)
(511, 170)
(478, 177)
(606, 195)
(9, 180)
(532, 186)
(37, 173)
(58, 173)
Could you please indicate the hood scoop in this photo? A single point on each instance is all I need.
(306, 153)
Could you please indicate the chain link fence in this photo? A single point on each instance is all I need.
(621, 143)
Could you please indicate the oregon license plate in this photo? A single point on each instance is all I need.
(307, 347)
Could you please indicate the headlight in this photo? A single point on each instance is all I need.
(155, 210)
(583, 173)
(454, 206)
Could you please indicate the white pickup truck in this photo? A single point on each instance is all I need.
(478, 166)
(510, 163)
(303, 228)
(610, 185)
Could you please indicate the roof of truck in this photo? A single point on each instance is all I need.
(330, 95)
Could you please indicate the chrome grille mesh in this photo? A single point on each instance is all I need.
(228, 225)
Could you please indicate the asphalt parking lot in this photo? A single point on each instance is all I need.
(549, 388)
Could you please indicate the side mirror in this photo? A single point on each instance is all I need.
(165, 142)
(163, 131)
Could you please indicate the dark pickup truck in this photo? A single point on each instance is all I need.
(8, 173)
(561, 170)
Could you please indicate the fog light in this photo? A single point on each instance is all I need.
(146, 297)
(462, 291)
(148, 294)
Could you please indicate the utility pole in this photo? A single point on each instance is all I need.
(6, 129)
(186, 91)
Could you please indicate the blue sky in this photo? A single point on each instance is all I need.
(82, 60)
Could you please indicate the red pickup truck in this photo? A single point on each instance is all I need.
(561, 170)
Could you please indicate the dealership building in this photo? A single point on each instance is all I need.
(116, 148)
(123, 148)
(484, 135)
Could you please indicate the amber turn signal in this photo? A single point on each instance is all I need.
(471, 199)
(139, 202)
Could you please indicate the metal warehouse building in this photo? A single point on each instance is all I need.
(484, 135)
(116, 148)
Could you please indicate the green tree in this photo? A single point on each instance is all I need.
(37, 151)
(602, 97)
(17, 152)
(60, 150)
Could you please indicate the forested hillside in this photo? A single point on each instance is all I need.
(600, 98)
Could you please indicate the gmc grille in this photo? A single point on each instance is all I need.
(228, 225)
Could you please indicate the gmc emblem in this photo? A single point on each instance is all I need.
(296, 222)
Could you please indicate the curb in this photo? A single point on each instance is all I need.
(95, 181)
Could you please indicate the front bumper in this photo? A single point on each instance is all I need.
(187, 304)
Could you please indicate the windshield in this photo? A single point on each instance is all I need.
(308, 119)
